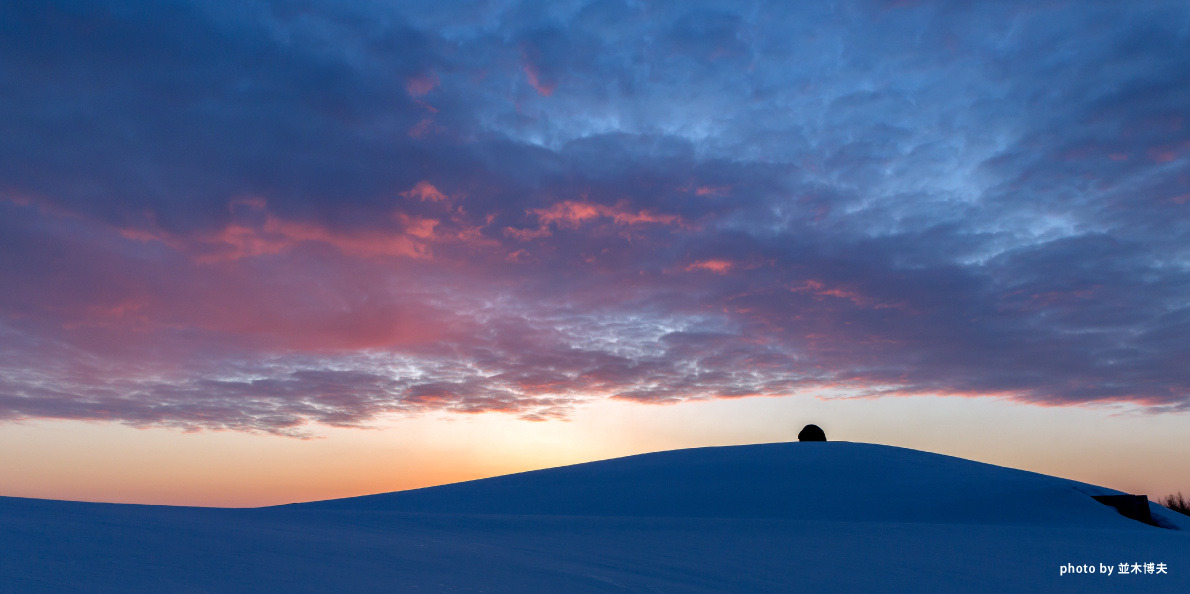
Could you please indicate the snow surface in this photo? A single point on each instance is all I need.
(833, 516)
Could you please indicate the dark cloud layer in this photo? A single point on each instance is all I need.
(262, 215)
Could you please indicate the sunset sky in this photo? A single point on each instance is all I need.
(261, 252)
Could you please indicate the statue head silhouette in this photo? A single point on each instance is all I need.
(811, 433)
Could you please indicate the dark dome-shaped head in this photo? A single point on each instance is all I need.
(811, 433)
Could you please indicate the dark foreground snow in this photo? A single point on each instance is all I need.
(778, 517)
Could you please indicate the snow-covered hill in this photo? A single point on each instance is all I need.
(838, 481)
(831, 516)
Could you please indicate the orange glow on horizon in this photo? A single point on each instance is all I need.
(104, 462)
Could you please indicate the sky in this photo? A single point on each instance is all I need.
(260, 252)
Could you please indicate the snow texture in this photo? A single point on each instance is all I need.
(833, 516)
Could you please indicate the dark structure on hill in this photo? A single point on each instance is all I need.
(1133, 507)
(811, 433)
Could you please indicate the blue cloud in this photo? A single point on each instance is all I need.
(649, 201)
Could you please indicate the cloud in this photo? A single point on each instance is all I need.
(716, 266)
(261, 218)
(425, 191)
(420, 85)
(572, 213)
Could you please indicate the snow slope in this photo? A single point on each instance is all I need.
(839, 481)
(831, 516)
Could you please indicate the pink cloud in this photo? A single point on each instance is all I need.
(419, 227)
(420, 85)
(712, 190)
(716, 266)
(276, 235)
(545, 89)
(575, 213)
(527, 234)
(1161, 155)
(1167, 153)
(426, 192)
(572, 213)
(424, 128)
(820, 290)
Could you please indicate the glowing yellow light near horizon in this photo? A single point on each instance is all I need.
(105, 462)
